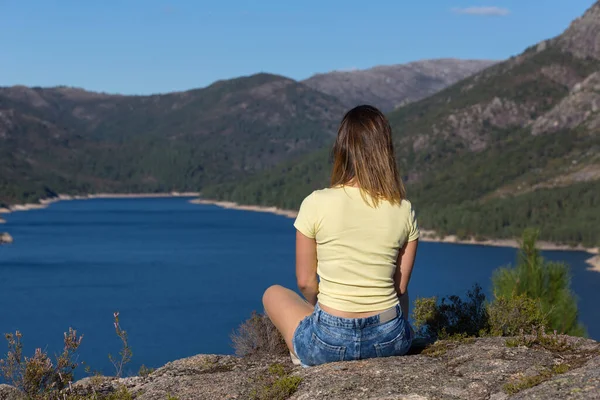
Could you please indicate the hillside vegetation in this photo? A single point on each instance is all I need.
(65, 140)
(516, 145)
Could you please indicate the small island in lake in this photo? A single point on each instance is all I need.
(5, 238)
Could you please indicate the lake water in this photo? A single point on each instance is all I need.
(183, 276)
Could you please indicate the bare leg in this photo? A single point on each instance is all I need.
(286, 310)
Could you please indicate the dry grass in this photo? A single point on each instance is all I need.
(258, 336)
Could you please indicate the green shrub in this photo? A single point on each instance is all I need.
(547, 283)
(452, 316)
(514, 315)
(145, 371)
(276, 384)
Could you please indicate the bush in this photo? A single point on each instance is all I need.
(258, 336)
(453, 316)
(533, 296)
(38, 377)
(515, 315)
(41, 379)
(547, 283)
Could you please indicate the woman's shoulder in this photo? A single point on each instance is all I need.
(322, 193)
(406, 203)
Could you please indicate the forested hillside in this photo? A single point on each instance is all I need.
(65, 140)
(513, 146)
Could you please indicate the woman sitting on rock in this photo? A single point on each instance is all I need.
(355, 248)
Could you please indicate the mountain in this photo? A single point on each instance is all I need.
(515, 145)
(388, 87)
(68, 140)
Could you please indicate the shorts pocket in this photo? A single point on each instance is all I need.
(322, 352)
(398, 346)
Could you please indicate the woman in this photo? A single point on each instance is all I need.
(355, 248)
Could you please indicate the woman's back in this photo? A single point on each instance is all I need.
(357, 246)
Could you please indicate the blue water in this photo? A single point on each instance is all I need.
(183, 276)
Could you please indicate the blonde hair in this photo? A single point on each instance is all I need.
(364, 156)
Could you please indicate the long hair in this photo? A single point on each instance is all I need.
(364, 156)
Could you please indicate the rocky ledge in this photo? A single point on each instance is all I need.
(5, 238)
(484, 368)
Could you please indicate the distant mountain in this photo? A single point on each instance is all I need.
(513, 146)
(69, 140)
(391, 86)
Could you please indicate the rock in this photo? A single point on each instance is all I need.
(392, 86)
(5, 238)
(582, 383)
(582, 38)
(10, 393)
(476, 370)
(579, 108)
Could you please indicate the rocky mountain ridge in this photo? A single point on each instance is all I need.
(391, 86)
(72, 141)
(513, 146)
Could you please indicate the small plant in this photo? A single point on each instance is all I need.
(125, 353)
(277, 384)
(145, 371)
(122, 393)
(258, 336)
(513, 315)
(527, 382)
(38, 377)
(539, 338)
(451, 316)
(441, 346)
(534, 380)
(436, 349)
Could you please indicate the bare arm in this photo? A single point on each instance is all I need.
(306, 267)
(404, 267)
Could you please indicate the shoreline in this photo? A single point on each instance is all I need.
(427, 235)
(593, 262)
(235, 206)
(44, 203)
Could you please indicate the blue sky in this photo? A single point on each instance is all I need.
(151, 46)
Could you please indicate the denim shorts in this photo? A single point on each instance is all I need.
(322, 338)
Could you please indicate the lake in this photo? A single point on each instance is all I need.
(184, 276)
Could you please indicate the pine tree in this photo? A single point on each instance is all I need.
(546, 282)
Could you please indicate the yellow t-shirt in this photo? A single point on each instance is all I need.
(357, 246)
